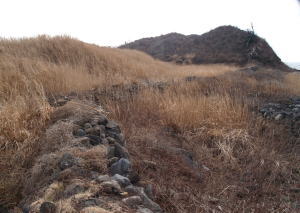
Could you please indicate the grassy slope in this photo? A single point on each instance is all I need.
(212, 116)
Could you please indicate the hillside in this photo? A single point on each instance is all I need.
(92, 129)
(225, 44)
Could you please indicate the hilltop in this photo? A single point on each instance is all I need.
(225, 44)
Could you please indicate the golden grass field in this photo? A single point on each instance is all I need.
(251, 165)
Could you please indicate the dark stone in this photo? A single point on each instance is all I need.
(133, 177)
(118, 137)
(111, 161)
(102, 120)
(25, 209)
(111, 140)
(66, 161)
(123, 181)
(132, 201)
(94, 140)
(48, 207)
(87, 126)
(113, 127)
(102, 178)
(147, 202)
(111, 187)
(73, 189)
(90, 202)
(79, 132)
(110, 152)
(120, 151)
(121, 167)
(96, 130)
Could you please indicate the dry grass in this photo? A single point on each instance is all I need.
(292, 80)
(251, 166)
(211, 116)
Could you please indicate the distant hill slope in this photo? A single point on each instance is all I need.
(225, 44)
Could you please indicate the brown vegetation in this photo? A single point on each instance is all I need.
(244, 163)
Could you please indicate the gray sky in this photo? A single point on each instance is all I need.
(112, 22)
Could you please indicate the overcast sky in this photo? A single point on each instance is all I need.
(113, 22)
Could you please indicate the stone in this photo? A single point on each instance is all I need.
(279, 117)
(66, 161)
(119, 137)
(90, 202)
(147, 202)
(48, 207)
(25, 209)
(121, 167)
(132, 201)
(61, 102)
(130, 189)
(296, 116)
(102, 128)
(79, 133)
(94, 140)
(102, 120)
(111, 140)
(123, 181)
(94, 122)
(96, 130)
(94, 175)
(110, 152)
(104, 140)
(87, 126)
(84, 141)
(144, 210)
(120, 151)
(74, 188)
(102, 178)
(111, 187)
(111, 161)
(113, 126)
(133, 177)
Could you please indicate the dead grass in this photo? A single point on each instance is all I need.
(211, 117)
(251, 166)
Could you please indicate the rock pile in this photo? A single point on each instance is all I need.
(288, 111)
(70, 182)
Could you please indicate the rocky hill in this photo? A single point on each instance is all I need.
(225, 44)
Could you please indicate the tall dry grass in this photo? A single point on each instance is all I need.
(34, 69)
(253, 163)
(216, 110)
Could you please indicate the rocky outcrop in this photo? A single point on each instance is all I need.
(225, 44)
(85, 167)
(287, 111)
